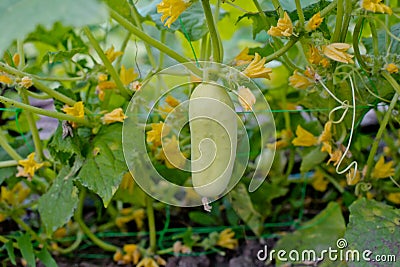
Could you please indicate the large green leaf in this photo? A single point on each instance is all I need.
(22, 16)
(64, 148)
(46, 258)
(105, 165)
(318, 234)
(243, 206)
(63, 193)
(373, 226)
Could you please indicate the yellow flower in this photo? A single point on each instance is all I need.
(326, 137)
(335, 157)
(171, 10)
(5, 79)
(154, 135)
(283, 28)
(128, 214)
(256, 68)
(284, 141)
(226, 239)
(394, 198)
(127, 75)
(319, 182)
(30, 165)
(392, 68)
(77, 110)
(171, 152)
(382, 169)
(351, 178)
(133, 251)
(104, 85)
(16, 59)
(314, 22)
(15, 196)
(117, 115)
(314, 56)
(2, 217)
(111, 54)
(172, 101)
(337, 52)
(102, 77)
(243, 57)
(304, 138)
(376, 6)
(147, 262)
(246, 98)
(300, 81)
(26, 82)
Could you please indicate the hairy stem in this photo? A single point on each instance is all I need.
(78, 218)
(152, 224)
(300, 13)
(114, 75)
(339, 20)
(215, 39)
(9, 149)
(48, 113)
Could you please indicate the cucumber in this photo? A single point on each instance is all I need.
(213, 132)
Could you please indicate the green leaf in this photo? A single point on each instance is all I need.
(202, 218)
(312, 159)
(243, 206)
(105, 165)
(22, 16)
(46, 258)
(60, 56)
(63, 193)
(64, 149)
(318, 234)
(373, 226)
(25, 245)
(10, 252)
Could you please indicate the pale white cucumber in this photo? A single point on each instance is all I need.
(213, 132)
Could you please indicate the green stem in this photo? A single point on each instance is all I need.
(283, 50)
(33, 128)
(138, 23)
(262, 14)
(8, 163)
(122, 49)
(9, 149)
(215, 39)
(78, 218)
(300, 13)
(150, 40)
(339, 20)
(36, 95)
(6, 240)
(356, 48)
(114, 75)
(328, 8)
(20, 47)
(152, 224)
(203, 47)
(331, 179)
(163, 38)
(58, 79)
(49, 113)
(73, 246)
(27, 228)
(278, 7)
(54, 94)
(346, 21)
(392, 81)
(374, 33)
(378, 136)
(387, 24)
